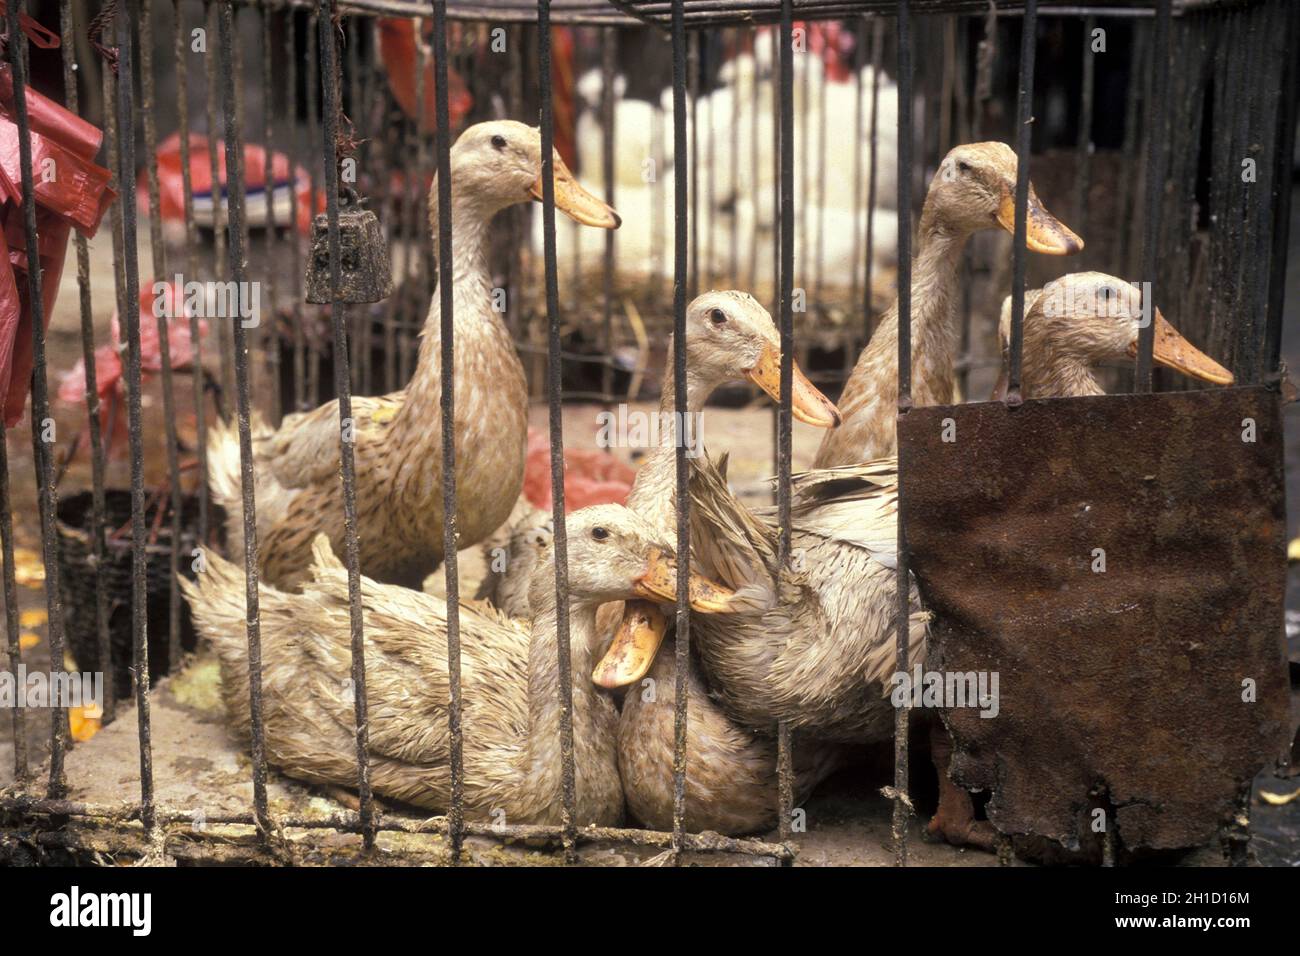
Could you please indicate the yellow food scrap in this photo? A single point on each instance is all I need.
(28, 641)
(29, 570)
(383, 415)
(35, 617)
(1293, 550)
(84, 722)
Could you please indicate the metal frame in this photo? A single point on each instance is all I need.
(677, 16)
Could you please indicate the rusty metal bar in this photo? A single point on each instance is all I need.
(220, 206)
(1083, 156)
(18, 714)
(733, 171)
(693, 193)
(102, 642)
(903, 609)
(784, 420)
(312, 72)
(608, 59)
(297, 317)
(819, 253)
(877, 59)
(159, 261)
(329, 74)
(442, 148)
(46, 492)
(268, 334)
(1024, 134)
(130, 318)
(347, 821)
(180, 46)
(1284, 149)
(555, 400)
(235, 222)
(1154, 193)
(682, 648)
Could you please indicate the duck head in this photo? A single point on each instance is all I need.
(615, 555)
(1089, 317)
(499, 164)
(975, 188)
(730, 337)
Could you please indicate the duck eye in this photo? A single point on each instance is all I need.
(717, 317)
(499, 141)
(600, 534)
(963, 166)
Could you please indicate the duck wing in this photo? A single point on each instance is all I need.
(304, 450)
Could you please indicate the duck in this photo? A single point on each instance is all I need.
(731, 784)
(973, 189)
(509, 685)
(822, 655)
(397, 438)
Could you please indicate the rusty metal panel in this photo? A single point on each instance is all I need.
(1120, 688)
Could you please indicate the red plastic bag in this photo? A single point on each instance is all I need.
(53, 231)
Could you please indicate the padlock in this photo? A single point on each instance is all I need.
(364, 271)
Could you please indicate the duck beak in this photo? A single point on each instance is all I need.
(643, 627)
(806, 403)
(634, 647)
(1043, 232)
(575, 201)
(659, 583)
(1173, 351)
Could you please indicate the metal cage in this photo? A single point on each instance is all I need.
(1244, 298)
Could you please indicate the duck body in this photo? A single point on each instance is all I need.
(397, 438)
(731, 784)
(509, 678)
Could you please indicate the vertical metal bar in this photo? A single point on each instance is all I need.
(608, 57)
(877, 53)
(555, 399)
(159, 261)
(819, 253)
(220, 202)
(859, 99)
(1283, 150)
(1024, 130)
(329, 74)
(312, 67)
(102, 642)
(235, 222)
(694, 52)
(295, 247)
(46, 492)
(682, 650)
(19, 721)
(733, 171)
(903, 634)
(1083, 160)
(131, 321)
(416, 292)
(442, 147)
(754, 178)
(191, 263)
(268, 334)
(704, 62)
(785, 114)
(1154, 192)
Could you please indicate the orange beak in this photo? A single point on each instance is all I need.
(575, 201)
(644, 625)
(1043, 232)
(1173, 351)
(807, 404)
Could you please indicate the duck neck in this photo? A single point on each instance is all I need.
(542, 745)
(654, 491)
(1047, 372)
(476, 324)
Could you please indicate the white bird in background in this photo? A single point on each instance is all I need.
(737, 177)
